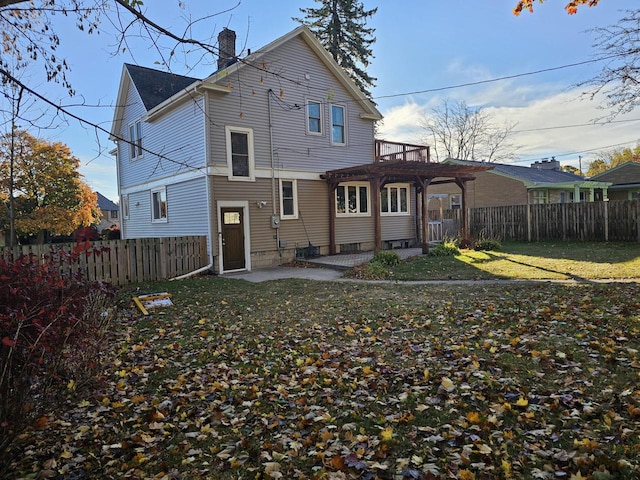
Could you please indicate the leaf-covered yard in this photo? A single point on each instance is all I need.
(301, 379)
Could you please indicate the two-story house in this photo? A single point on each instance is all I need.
(264, 157)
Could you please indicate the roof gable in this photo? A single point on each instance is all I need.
(310, 39)
(527, 175)
(105, 204)
(155, 86)
(626, 173)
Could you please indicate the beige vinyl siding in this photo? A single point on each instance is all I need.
(294, 149)
(354, 230)
(398, 227)
(313, 215)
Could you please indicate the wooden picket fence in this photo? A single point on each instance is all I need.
(123, 262)
(589, 221)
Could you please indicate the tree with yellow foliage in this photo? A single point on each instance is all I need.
(49, 194)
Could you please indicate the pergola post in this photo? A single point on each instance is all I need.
(375, 205)
(422, 182)
(332, 218)
(465, 222)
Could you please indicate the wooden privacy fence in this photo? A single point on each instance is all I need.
(589, 221)
(121, 262)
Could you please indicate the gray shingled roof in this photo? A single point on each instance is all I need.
(527, 174)
(155, 86)
(105, 204)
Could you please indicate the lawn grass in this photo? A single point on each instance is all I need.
(529, 261)
(335, 380)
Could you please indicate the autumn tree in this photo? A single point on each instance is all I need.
(340, 25)
(456, 130)
(49, 194)
(613, 158)
(571, 7)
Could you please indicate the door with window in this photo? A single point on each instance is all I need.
(233, 253)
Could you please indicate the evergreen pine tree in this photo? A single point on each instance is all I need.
(340, 25)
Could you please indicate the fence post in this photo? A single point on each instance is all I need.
(606, 221)
(528, 222)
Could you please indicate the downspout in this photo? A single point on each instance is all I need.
(274, 210)
(207, 157)
(191, 274)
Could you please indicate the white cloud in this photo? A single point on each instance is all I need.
(546, 120)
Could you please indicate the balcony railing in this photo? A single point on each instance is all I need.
(390, 151)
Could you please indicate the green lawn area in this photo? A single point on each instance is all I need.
(341, 380)
(534, 261)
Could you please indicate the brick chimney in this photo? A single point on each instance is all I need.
(226, 48)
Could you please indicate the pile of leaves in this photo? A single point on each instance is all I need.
(50, 326)
(300, 379)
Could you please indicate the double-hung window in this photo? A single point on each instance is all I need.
(240, 153)
(159, 205)
(394, 199)
(338, 125)
(288, 199)
(352, 199)
(135, 140)
(314, 117)
(455, 201)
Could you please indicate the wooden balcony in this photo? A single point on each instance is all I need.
(392, 151)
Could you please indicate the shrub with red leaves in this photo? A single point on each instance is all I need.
(51, 326)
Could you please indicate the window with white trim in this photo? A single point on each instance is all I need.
(288, 199)
(394, 199)
(135, 140)
(159, 205)
(352, 199)
(240, 153)
(124, 206)
(314, 117)
(455, 201)
(338, 125)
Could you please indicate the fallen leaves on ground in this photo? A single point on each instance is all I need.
(298, 379)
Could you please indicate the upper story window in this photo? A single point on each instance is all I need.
(314, 117)
(113, 214)
(159, 205)
(455, 201)
(288, 199)
(394, 199)
(240, 158)
(338, 126)
(135, 140)
(352, 199)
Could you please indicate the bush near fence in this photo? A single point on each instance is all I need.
(122, 262)
(612, 221)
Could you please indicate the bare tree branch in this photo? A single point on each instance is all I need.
(458, 131)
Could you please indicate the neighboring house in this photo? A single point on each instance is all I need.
(270, 156)
(625, 181)
(504, 185)
(109, 213)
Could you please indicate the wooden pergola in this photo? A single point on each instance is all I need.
(421, 174)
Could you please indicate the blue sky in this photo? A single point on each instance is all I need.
(421, 46)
